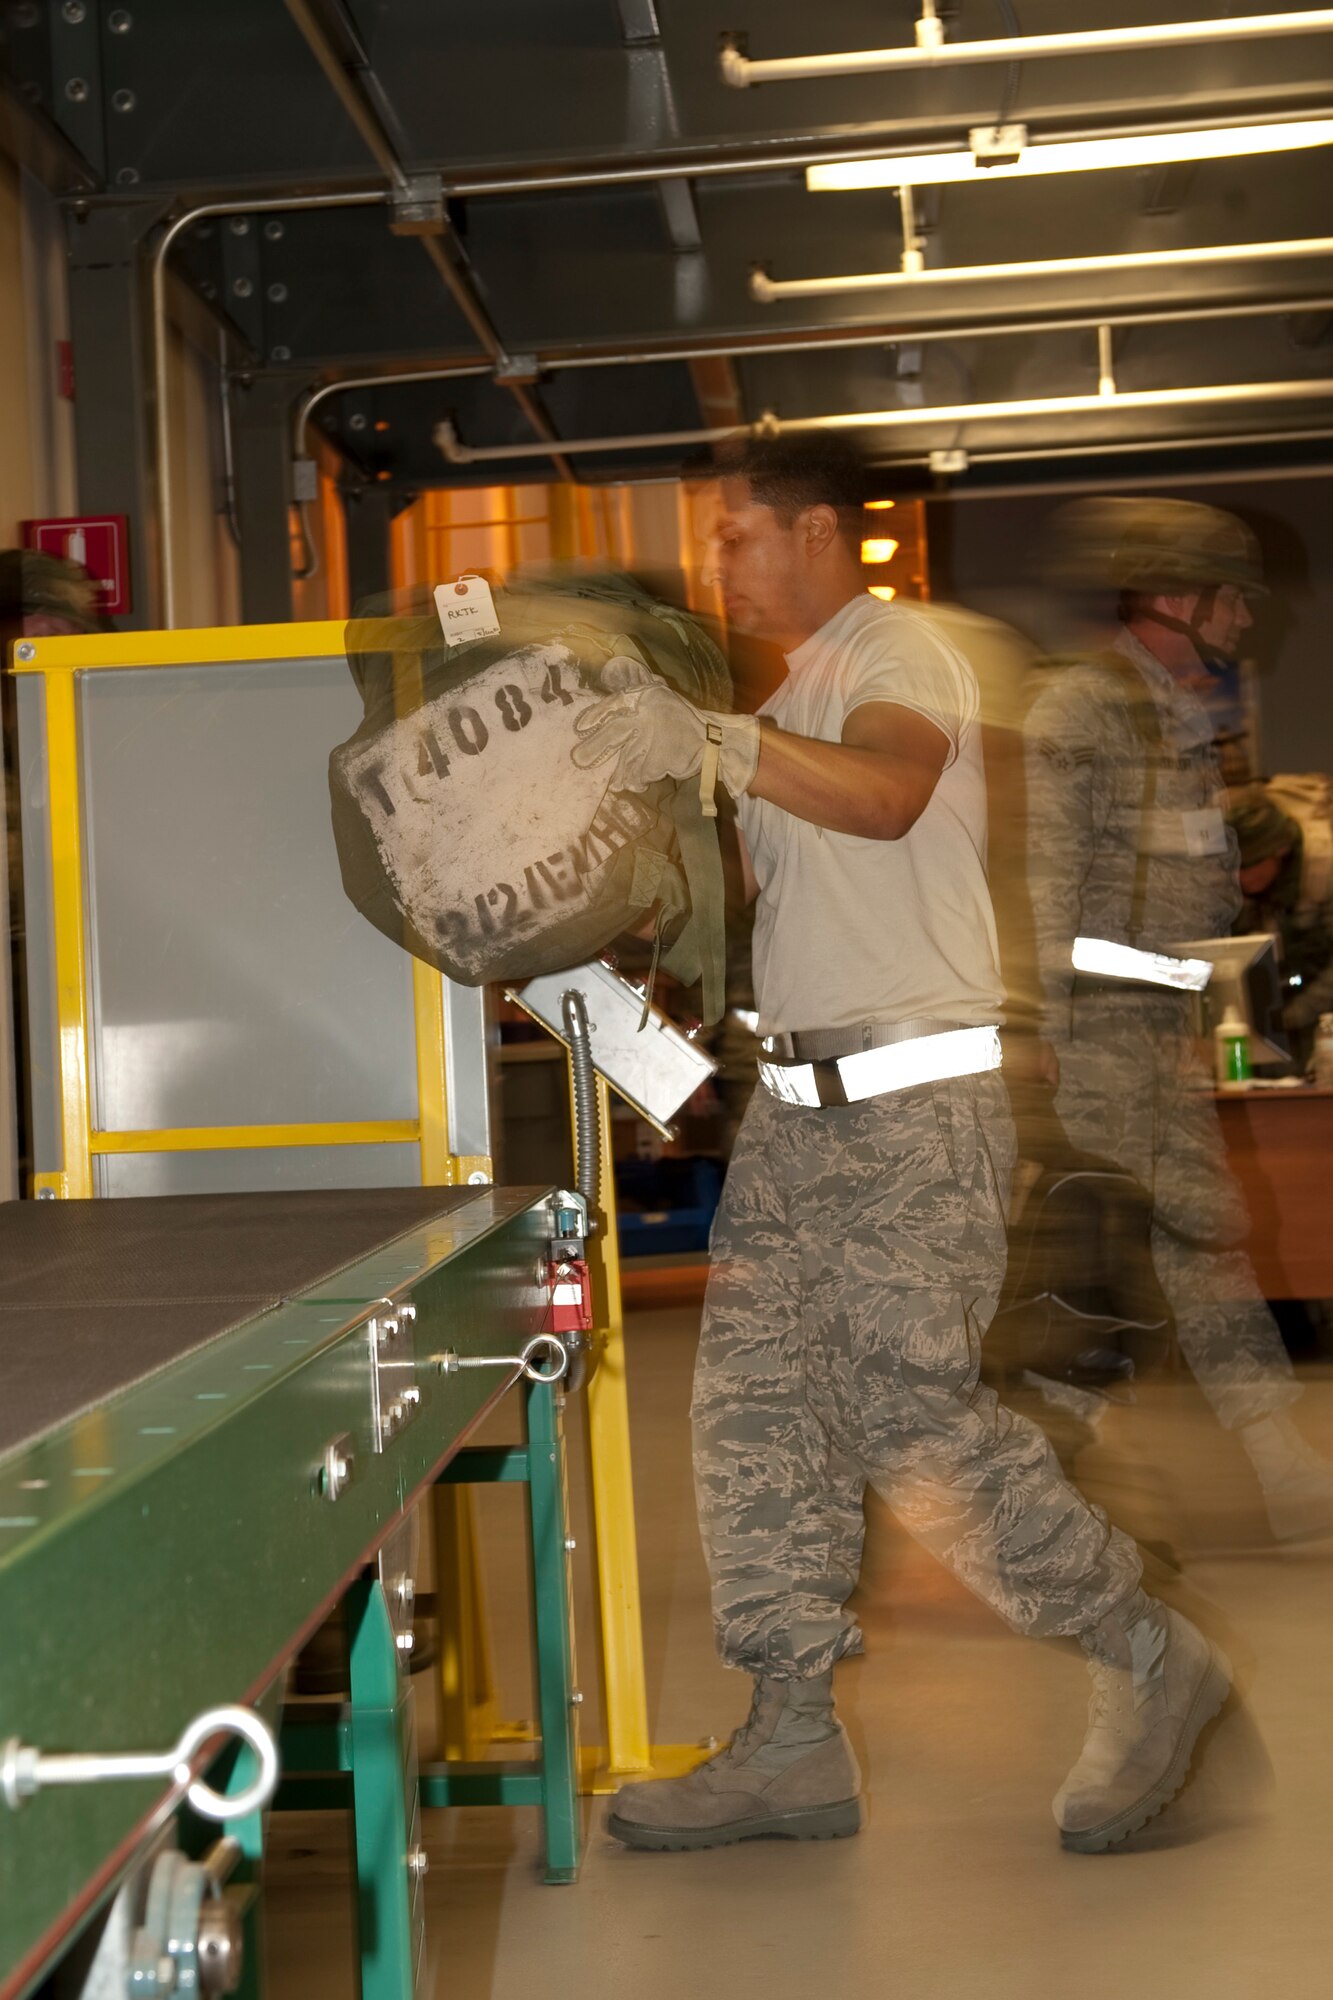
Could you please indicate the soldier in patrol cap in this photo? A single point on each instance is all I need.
(1272, 870)
(860, 1243)
(1130, 855)
(42, 596)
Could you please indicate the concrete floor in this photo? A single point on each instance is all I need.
(958, 1886)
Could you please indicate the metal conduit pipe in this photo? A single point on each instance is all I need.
(161, 414)
(931, 51)
(457, 453)
(441, 254)
(767, 290)
(555, 360)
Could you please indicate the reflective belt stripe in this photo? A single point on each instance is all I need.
(874, 1072)
(1105, 960)
(708, 770)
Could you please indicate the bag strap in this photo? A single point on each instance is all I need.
(700, 952)
(1148, 728)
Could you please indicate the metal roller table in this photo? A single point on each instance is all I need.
(217, 1415)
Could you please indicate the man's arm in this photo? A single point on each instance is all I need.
(875, 783)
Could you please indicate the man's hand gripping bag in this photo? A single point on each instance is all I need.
(464, 831)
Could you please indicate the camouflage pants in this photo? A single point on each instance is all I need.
(857, 1257)
(1132, 1089)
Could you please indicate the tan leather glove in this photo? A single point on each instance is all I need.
(648, 731)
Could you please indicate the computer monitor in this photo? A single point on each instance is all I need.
(1247, 975)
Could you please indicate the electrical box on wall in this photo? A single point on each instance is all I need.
(100, 543)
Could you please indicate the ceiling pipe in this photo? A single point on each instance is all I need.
(766, 290)
(931, 51)
(1209, 395)
(557, 360)
(457, 280)
(161, 413)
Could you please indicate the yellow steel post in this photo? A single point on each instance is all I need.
(627, 1747)
(59, 688)
(437, 1167)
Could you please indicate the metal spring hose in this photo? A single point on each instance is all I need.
(587, 1129)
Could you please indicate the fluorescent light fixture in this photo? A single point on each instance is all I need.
(1106, 960)
(1075, 156)
(883, 590)
(879, 549)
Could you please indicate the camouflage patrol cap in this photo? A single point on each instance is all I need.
(32, 582)
(1154, 545)
(1169, 543)
(1262, 828)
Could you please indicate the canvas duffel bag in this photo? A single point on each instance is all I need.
(464, 831)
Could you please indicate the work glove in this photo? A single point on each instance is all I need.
(647, 731)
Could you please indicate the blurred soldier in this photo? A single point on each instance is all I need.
(860, 1245)
(1272, 870)
(1129, 853)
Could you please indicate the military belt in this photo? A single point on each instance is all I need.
(833, 1067)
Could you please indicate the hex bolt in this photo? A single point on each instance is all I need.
(337, 1468)
(76, 90)
(273, 231)
(357, 421)
(75, 12)
(277, 294)
(123, 100)
(25, 650)
(120, 20)
(127, 177)
(242, 287)
(418, 1863)
(576, 1698)
(570, 1545)
(280, 353)
(239, 225)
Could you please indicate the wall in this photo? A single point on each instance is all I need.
(987, 554)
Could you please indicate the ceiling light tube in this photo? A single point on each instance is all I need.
(1073, 156)
(929, 53)
(767, 290)
(1247, 393)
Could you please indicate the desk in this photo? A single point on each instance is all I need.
(1280, 1148)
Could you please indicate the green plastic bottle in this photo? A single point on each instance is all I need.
(1231, 1041)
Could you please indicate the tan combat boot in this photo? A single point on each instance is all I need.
(1297, 1483)
(788, 1773)
(1156, 1680)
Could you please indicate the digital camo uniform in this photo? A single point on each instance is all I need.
(1124, 845)
(857, 1257)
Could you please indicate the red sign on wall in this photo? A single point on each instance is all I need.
(100, 542)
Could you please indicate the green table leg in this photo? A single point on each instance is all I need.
(384, 1801)
(553, 1631)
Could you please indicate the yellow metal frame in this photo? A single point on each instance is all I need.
(59, 663)
(467, 1679)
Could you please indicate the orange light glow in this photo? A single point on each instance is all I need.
(884, 590)
(878, 506)
(879, 550)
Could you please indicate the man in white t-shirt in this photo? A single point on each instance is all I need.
(860, 1245)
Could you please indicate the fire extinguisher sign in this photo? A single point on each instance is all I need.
(99, 543)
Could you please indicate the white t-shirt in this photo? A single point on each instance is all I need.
(849, 930)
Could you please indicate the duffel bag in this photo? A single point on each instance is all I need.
(464, 831)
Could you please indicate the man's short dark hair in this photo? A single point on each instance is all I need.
(790, 474)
